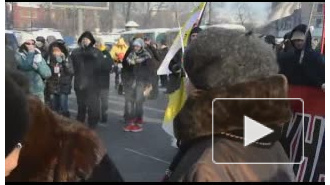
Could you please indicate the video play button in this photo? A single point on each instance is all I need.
(254, 131)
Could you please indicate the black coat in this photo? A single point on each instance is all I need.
(141, 71)
(60, 83)
(175, 67)
(311, 72)
(87, 65)
(106, 65)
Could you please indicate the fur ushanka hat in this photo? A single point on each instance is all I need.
(220, 57)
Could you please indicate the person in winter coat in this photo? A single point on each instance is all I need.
(311, 71)
(16, 120)
(175, 65)
(87, 63)
(154, 65)
(117, 54)
(59, 84)
(30, 61)
(104, 79)
(162, 52)
(41, 45)
(137, 67)
(236, 65)
(42, 146)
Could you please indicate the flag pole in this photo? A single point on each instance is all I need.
(306, 33)
(323, 34)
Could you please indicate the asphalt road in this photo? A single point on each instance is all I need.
(140, 157)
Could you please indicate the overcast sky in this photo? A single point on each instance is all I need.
(259, 9)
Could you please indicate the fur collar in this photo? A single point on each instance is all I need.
(195, 118)
(56, 148)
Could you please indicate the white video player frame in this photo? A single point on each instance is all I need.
(303, 131)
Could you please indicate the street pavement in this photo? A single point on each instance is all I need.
(140, 157)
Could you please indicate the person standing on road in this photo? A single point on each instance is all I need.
(137, 84)
(117, 54)
(311, 71)
(175, 65)
(104, 79)
(59, 84)
(162, 52)
(87, 63)
(32, 64)
(41, 45)
(154, 65)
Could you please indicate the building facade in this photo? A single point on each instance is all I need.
(301, 15)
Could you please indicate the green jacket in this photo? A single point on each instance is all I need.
(35, 68)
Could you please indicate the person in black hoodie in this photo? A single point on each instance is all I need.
(59, 84)
(87, 64)
(175, 65)
(104, 78)
(311, 71)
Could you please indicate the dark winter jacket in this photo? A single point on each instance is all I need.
(175, 67)
(193, 129)
(106, 65)
(162, 52)
(60, 82)
(155, 59)
(140, 70)
(87, 64)
(58, 149)
(311, 72)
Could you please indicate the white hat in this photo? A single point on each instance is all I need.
(298, 35)
(25, 37)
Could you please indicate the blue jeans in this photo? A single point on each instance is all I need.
(59, 103)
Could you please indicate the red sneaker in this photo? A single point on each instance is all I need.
(139, 121)
(136, 128)
(129, 127)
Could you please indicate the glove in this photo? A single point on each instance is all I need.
(139, 60)
(131, 61)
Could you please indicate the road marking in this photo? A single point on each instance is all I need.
(145, 155)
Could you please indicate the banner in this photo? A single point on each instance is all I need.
(178, 97)
(193, 20)
(312, 168)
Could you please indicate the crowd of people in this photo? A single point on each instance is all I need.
(236, 64)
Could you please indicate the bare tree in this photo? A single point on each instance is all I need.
(128, 11)
(243, 13)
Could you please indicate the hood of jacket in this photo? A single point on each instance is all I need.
(88, 35)
(60, 44)
(308, 41)
(121, 42)
(56, 148)
(195, 118)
